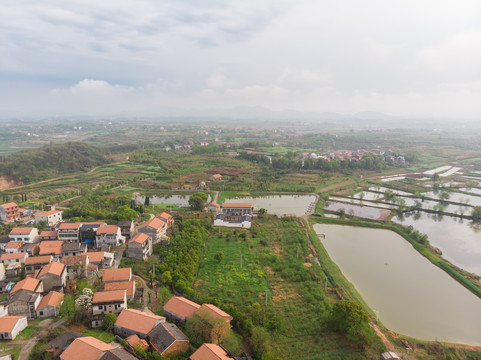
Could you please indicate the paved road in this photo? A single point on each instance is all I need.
(27, 348)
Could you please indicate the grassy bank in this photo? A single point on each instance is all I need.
(456, 273)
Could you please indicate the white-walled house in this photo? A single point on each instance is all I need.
(52, 217)
(10, 326)
(109, 235)
(24, 234)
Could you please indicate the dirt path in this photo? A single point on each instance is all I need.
(48, 326)
(216, 196)
(145, 294)
(335, 186)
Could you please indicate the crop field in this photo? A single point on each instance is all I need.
(275, 258)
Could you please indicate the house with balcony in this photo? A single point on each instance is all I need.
(109, 235)
(69, 232)
(140, 247)
(127, 229)
(234, 215)
(9, 212)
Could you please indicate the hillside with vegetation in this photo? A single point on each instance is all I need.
(51, 160)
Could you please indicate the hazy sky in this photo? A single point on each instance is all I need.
(91, 56)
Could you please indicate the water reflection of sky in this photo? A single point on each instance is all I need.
(458, 239)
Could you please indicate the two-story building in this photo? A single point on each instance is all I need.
(9, 212)
(155, 228)
(235, 215)
(115, 275)
(166, 218)
(109, 235)
(73, 249)
(105, 302)
(34, 263)
(140, 247)
(51, 218)
(127, 229)
(48, 235)
(24, 234)
(76, 266)
(69, 232)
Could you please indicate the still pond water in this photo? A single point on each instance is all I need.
(458, 239)
(179, 200)
(280, 204)
(413, 296)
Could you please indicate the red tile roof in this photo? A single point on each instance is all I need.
(123, 274)
(164, 216)
(210, 352)
(29, 284)
(38, 260)
(48, 233)
(181, 306)
(14, 244)
(13, 256)
(21, 231)
(109, 296)
(50, 243)
(54, 268)
(95, 256)
(140, 238)
(108, 229)
(134, 340)
(47, 213)
(214, 310)
(129, 286)
(237, 205)
(153, 223)
(69, 226)
(9, 205)
(85, 348)
(138, 321)
(53, 298)
(8, 323)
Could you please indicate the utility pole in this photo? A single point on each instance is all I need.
(297, 251)
(266, 299)
(241, 261)
(325, 284)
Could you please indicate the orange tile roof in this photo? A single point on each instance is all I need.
(53, 298)
(38, 259)
(95, 256)
(108, 229)
(237, 205)
(29, 284)
(56, 250)
(153, 223)
(14, 244)
(123, 274)
(69, 226)
(214, 310)
(21, 231)
(50, 243)
(164, 215)
(85, 348)
(13, 256)
(7, 323)
(129, 286)
(54, 268)
(48, 233)
(108, 296)
(134, 340)
(217, 176)
(9, 205)
(140, 238)
(210, 352)
(138, 321)
(47, 213)
(181, 306)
